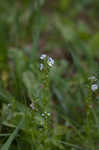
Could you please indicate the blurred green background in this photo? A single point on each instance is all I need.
(68, 31)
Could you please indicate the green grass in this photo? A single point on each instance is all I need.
(68, 32)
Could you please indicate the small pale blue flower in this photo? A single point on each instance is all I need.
(50, 62)
(32, 105)
(92, 78)
(43, 56)
(94, 87)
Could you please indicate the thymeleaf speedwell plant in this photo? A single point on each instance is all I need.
(46, 63)
(90, 101)
(44, 109)
(45, 66)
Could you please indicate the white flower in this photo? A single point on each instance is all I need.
(41, 67)
(43, 114)
(50, 62)
(32, 105)
(94, 87)
(92, 78)
(9, 105)
(43, 56)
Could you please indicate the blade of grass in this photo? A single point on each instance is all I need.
(8, 134)
(71, 145)
(4, 97)
(6, 146)
(36, 34)
(75, 59)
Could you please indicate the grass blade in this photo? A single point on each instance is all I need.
(6, 146)
(36, 33)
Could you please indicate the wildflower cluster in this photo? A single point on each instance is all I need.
(46, 114)
(48, 60)
(94, 85)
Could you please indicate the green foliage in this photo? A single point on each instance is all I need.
(58, 104)
(11, 138)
